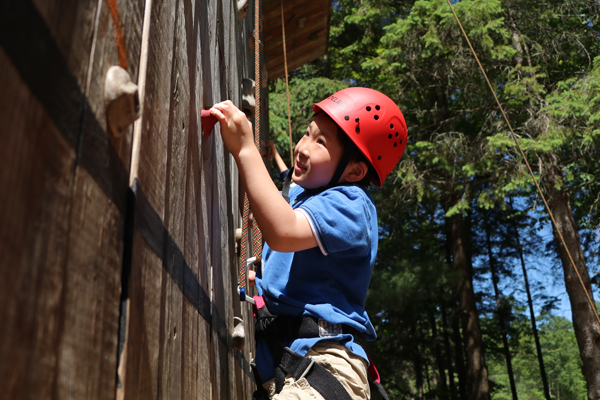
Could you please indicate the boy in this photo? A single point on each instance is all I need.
(320, 248)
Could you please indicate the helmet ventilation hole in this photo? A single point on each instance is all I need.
(368, 108)
(391, 126)
(390, 136)
(377, 108)
(395, 144)
(379, 158)
(357, 129)
(400, 141)
(346, 117)
(376, 117)
(356, 119)
(397, 134)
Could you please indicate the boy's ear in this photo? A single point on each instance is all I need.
(355, 171)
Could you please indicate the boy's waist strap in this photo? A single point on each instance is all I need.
(281, 328)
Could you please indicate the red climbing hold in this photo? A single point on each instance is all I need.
(208, 121)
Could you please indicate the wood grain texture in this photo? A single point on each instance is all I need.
(70, 209)
(306, 31)
(63, 223)
(35, 178)
(144, 322)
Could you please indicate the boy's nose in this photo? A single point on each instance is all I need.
(301, 149)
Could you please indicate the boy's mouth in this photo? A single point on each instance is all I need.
(299, 166)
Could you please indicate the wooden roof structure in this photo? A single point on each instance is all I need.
(307, 25)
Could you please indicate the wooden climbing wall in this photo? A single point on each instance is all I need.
(118, 256)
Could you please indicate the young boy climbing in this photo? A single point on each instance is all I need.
(321, 246)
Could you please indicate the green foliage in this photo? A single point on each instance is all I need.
(462, 158)
(561, 361)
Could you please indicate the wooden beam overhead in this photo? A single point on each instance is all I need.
(307, 24)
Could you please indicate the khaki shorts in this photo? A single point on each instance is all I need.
(347, 367)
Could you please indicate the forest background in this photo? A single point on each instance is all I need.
(464, 292)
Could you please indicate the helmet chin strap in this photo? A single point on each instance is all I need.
(339, 170)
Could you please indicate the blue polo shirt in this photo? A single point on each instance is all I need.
(330, 281)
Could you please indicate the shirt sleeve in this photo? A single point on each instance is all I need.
(340, 219)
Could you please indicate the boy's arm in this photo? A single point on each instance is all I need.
(278, 160)
(283, 228)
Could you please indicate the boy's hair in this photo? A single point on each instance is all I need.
(354, 154)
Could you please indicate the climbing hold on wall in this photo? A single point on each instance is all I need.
(239, 334)
(242, 6)
(121, 100)
(238, 241)
(208, 122)
(248, 101)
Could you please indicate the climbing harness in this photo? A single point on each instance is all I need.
(514, 136)
(275, 330)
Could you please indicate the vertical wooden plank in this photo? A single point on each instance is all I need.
(151, 286)
(194, 384)
(36, 164)
(175, 195)
(233, 89)
(73, 217)
(191, 384)
(144, 321)
(95, 248)
(245, 69)
(209, 93)
(218, 84)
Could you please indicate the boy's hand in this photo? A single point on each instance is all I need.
(236, 129)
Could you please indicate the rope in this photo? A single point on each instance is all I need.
(287, 86)
(514, 136)
(256, 235)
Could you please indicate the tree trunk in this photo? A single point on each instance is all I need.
(418, 368)
(448, 357)
(477, 386)
(534, 329)
(438, 355)
(585, 322)
(455, 322)
(500, 313)
(459, 354)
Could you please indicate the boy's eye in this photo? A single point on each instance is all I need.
(320, 141)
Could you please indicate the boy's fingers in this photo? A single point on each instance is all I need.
(217, 113)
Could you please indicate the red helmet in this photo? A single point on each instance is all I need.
(373, 122)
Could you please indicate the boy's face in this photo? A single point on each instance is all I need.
(317, 154)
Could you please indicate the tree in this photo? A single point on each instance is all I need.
(447, 109)
(552, 95)
(460, 157)
(562, 359)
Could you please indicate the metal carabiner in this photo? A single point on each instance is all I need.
(242, 291)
